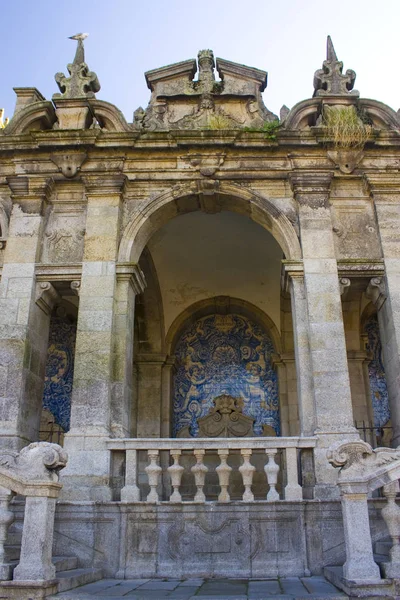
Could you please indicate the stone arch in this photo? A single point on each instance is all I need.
(222, 305)
(190, 197)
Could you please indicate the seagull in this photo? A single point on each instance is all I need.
(79, 36)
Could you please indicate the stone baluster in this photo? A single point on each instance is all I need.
(6, 518)
(247, 472)
(130, 492)
(153, 471)
(176, 471)
(37, 541)
(271, 470)
(224, 471)
(391, 515)
(293, 491)
(199, 471)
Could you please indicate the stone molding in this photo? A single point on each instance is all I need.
(311, 189)
(25, 188)
(384, 187)
(291, 269)
(133, 274)
(360, 268)
(104, 185)
(47, 296)
(344, 285)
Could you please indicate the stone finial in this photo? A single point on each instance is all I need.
(82, 83)
(330, 81)
(205, 59)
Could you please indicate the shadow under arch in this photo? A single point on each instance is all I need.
(220, 305)
(188, 198)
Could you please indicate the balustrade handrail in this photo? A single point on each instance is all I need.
(199, 446)
(252, 443)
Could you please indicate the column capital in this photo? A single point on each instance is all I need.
(133, 274)
(105, 184)
(311, 188)
(30, 189)
(383, 186)
(291, 269)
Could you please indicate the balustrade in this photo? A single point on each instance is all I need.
(271, 453)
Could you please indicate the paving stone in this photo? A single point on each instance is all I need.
(191, 582)
(269, 587)
(293, 586)
(318, 585)
(160, 585)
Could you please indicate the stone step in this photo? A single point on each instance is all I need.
(68, 580)
(65, 563)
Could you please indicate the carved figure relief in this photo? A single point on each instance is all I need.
(64, 244)
(60, 370)
(225, 354)
(377, 377)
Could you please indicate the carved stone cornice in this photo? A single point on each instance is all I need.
(104, 184)
(376, 292)
(30, 191)
(311, 188)
(383, 186)
(358, 268)
(133, 274)
(47, 296)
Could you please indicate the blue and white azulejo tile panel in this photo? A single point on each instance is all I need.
(60, 370)
(225, 354)
(377, 378)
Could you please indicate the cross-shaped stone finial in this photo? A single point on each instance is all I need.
(330, 81)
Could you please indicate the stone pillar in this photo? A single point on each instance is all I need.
(37, 541)
(130, 282)
(359, 563)
(23, 324)
(167, 398)
(385, 188)
(294, 281)
(149, 394)
(330, 376)
(99, 347)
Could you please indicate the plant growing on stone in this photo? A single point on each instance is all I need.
(219, 122)
(345, 127)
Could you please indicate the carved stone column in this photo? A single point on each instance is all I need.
(24, 325)
(322, 309)
(385, 190)
(101, 375)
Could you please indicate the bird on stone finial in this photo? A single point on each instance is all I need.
(80, 51)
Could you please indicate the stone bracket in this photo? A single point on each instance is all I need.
(47, 296)
(344, 285)
(376, 292)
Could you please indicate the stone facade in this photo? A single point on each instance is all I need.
(205, 248)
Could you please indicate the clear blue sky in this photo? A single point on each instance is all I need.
(128, 37)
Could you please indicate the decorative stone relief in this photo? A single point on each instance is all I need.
(69, 163)
(225, 354)
(63, 241)
(59, 370)
(179, 102)
(358, 461)
(377, 377)
(355, 229)
(40, 461)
